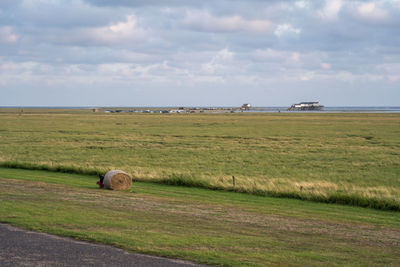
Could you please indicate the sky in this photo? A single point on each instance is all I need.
(199, 53)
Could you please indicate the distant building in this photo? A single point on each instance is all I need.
(306, 106)
(245, 107)
(95, 110)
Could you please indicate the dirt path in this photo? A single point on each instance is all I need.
(25, 248)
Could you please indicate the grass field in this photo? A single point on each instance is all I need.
(345, 158)
(214, 227)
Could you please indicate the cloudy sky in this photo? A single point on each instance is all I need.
(199, 53)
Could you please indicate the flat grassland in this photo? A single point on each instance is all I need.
(205, 226)
(342, 158)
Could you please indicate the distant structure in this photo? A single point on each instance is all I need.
(306, 106)
(95, 110)
(245, 107)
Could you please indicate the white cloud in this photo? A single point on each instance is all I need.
(129, 71)
(7, 36)
(309, 75)
(370, 11)
(223, 56)
(267, 54)
(219, 62)
(301, 4)
(280, 62)
(325, 66)
(21, 68)
(123, 69)
(287, 58)
(295, 57)
(204, 21)
(286, 29)
(118, 32)
(331, 9)
(390, 70)
(393, 78)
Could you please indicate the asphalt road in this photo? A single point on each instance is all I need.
(25, 248)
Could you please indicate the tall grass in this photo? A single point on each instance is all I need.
(56, 168)
(190, 181)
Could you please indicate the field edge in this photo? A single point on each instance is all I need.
(186, 181)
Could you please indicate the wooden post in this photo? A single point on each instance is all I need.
(233, 180)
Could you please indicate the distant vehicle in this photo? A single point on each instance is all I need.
(177, 111)
(306, 106)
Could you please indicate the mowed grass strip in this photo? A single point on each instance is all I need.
(340, 158)
(213, 227)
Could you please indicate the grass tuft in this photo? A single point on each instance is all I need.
(182, 180)
(55, 168)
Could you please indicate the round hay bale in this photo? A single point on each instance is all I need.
(117, 180)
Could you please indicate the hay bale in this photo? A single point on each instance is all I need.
(117, 180)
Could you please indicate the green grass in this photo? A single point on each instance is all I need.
(205, 226)
(335, 158)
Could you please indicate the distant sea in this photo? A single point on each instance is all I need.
(333, 110)
(384, 109)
